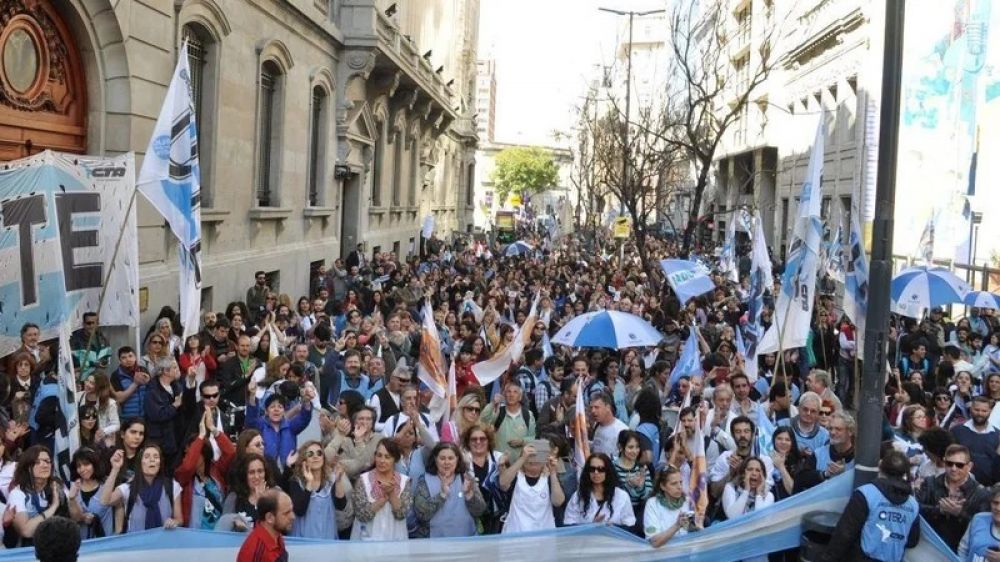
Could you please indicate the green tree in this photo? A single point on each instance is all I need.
(523, 169)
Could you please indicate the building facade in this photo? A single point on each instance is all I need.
(486, 100)
(322, 123)
(818, 68)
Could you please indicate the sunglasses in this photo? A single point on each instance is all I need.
(312, 453)
(472, 409)
(89, 417)
(942, 398)
(955, 464)
(599, 469)
(825, 412)
(210, 396)
(477, 439)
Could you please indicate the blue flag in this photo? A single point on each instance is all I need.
(856, 284)
(688, 278)
(689, 361)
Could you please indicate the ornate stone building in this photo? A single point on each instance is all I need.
(322, 123)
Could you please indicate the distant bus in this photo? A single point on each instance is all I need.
(504, 223)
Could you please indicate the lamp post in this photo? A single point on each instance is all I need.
(628, 96)
(880, 276)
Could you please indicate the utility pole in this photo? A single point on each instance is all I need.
(880, 276)
(628, 98)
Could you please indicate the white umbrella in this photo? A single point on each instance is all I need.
(608, 329)
(982, 299)
(919, 288)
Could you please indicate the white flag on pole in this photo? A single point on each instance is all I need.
(170, 179)
(793, 309)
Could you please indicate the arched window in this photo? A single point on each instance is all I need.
(269, 133)
(203, 62)
(317, 146)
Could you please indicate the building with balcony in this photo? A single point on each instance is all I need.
(486, 100)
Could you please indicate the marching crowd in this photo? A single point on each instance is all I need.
(306, 417)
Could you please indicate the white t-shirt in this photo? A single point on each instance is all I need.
(19, 502)
(657, 518)
(606, 438)
(720, 469)
(619, 513)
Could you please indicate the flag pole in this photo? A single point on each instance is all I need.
(85, 362)
(876, 323)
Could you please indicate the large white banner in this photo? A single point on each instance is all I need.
(61, 216)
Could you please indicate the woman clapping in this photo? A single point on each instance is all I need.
(382, 498)
(319, 495)
(447, 500)
(151, 500)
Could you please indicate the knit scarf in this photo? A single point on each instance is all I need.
(150, 498)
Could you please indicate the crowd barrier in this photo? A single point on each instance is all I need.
(771, 529)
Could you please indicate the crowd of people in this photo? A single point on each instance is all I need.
(309, 415)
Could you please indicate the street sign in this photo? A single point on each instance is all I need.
(621, 228)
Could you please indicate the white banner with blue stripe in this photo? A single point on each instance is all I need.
(772, 529)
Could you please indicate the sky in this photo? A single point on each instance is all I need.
(546, 52)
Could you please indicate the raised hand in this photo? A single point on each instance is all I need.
(117, 459)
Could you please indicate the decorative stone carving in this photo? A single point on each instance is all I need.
(362, 63)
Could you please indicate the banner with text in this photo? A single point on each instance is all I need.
(61, 218)
(688, 279)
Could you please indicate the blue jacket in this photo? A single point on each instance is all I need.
(278, 444)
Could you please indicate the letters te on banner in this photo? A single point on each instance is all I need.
(60, 218)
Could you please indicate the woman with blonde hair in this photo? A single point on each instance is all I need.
(165, 328)
(467, 412)
(319, 492)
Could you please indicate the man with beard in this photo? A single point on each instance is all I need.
(234, 376)
(837, 456)
(982, 440)
(266, 542)
(300, 357)
(220, 343)
(727, 466)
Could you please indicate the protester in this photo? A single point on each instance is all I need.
(536, 491)
(151, 500)
(668, 514)
(252, 479)
(880, 520)
(485, 463)
(266, 543)
(599, 499)
(202, 475)
(513, 421)
(319, 495)
(96, 519)
(36, 494)
(382, 498)
(446, 499)
(948, 502)
(982, 539)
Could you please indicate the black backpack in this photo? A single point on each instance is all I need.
(502, 415)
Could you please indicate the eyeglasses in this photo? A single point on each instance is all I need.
(477, 439)
(210, 396)
(955, 464)
(598, 469)
(312, 453)
(472, 409)
(825, 412)
(86, 417)
(942, 398)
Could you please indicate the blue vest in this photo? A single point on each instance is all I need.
(133, 406)
(823, 459)
(452, 519)
(320, 519)
(981, 537)
(888, 525)
(45, 390)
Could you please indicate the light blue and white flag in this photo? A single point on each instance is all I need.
(761, 280)
(688, 278)
(171, 180)
(793, 309)
(690, 360)
(856, 283)
(833, 256)
(727, 259)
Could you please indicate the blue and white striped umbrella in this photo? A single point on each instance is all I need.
(608, 329)
(982, 299)
(919, 288)
(518, 248)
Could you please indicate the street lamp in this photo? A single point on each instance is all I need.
(628, 96)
